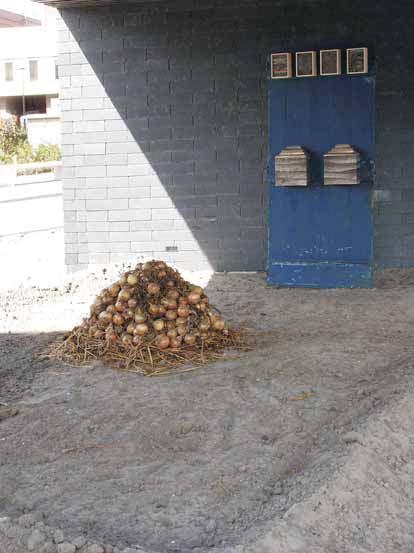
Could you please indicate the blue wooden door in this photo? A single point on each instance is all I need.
(321, 236)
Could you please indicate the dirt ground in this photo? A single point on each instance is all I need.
(304, 444)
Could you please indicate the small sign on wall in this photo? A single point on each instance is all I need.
(281, 65)
(357, 61)
(306, 64)
(330, 62)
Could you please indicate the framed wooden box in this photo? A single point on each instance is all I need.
(330, 62)
(356, 61)
(341, 165)
(292, 167)
(306, 64)
(281, 65)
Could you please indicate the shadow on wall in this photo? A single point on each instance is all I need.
(168, 114)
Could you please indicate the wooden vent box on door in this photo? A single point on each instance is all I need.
(292, 167)
(341, 165)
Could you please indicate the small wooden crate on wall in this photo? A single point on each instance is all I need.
(341, 165)
(292, 167)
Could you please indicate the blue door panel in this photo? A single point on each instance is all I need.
(321, 236)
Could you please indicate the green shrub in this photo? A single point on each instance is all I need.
(12, 138)
(47, 152)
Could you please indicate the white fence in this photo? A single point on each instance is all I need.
(20, 173)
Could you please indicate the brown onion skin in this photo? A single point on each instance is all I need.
(158, 325)
(132, 303)
(182, 330)
(175, 342)
(189, 339)
(132, 279)
(183, 311)
(130, 328)
(162, 341)
(118, 319)
(173, 294)
(120, 306)
(141, 329)
(172, 333)
(153, 289)
(193, 298)
(171, 315)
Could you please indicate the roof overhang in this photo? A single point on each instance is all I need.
(12, 19)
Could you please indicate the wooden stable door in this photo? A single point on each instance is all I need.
(321, 236)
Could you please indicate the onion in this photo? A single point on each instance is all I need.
(147, 266)
(183, 300)
(162, 341)
(161, 310)
(160, 265)
(120, 306)
(190, 339)
(129, 314)
(122, 280)
(130, 328)
(106, 298)
(118, 319)
(169, 303)
(124, 294)
(136, 340)
(204, 325)
(112, 336)
(126, 339)
(158, 325)
(153, 289)
(172, 333)
(110, 308)
(173, 294)
(193, 298)
(218, 324)
(153, 309)
(141, 329)
(139, 317)
(175, 342)
(183, 311)
(182, 330)
(197, 290)
(132, 303)
(181, 321)
(171, 324)
(132, 279)
(170, 284)
(114, 290)
(171, 315)
(161, 274)
(202, 307)
(105, 316)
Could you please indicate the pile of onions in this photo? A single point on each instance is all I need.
(153, 305)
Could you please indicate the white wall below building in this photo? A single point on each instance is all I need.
(42, 128)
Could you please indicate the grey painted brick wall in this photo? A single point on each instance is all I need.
(165, 125)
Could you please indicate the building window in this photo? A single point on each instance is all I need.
(56, 71)
(33, 70)
(8, 70)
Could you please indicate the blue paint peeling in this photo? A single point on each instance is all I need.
(321, 236)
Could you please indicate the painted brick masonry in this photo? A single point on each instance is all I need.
(165, 126)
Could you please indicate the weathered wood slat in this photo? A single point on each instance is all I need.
(292, 167)
(341, 165)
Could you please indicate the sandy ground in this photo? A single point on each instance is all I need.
(304, 444)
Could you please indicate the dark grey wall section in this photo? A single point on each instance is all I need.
(165, 125)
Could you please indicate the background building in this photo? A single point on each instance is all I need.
(166, 141)
(29, 86)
